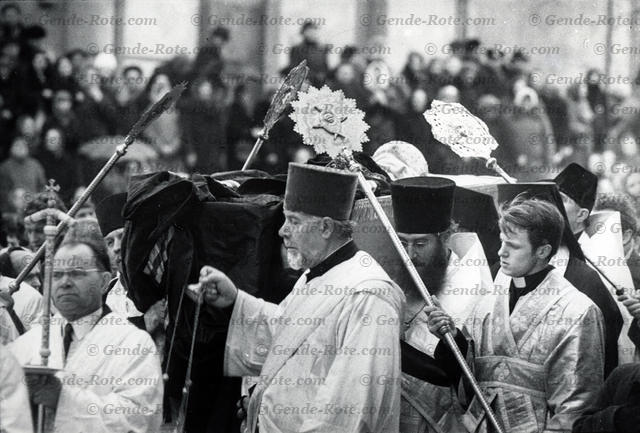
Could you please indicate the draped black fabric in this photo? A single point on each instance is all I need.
(212, 225)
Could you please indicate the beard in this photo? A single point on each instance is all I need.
(295, 259)
(434, 272)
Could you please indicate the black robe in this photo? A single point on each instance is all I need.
(618, 398)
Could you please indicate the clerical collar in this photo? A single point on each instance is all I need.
(340, 255)
(533, 280)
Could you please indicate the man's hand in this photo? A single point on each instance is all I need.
(44, 389)
(439, 322)
(216, 288)
(632, 304)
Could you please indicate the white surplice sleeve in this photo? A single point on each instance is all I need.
(361, 391)
(250, 335)
(575, 370)
(15, 409)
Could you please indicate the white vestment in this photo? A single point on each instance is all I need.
(601, 242)
(27, 302)
(327, 357)
(15, 409)
(111, 381)
(540, 365)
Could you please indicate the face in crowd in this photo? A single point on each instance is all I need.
(79, 281)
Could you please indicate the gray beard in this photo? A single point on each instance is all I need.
(296, 262)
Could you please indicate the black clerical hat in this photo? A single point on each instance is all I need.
(109, 213)
(320, 191)
(579, 184)
(422, 204)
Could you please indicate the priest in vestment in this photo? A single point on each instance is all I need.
(328, 356)
(109, 377)
(455, 271)
(538, 343)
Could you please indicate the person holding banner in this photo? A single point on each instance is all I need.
(539, 342)
(328, 357)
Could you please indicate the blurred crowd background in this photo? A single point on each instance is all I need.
(62, 114)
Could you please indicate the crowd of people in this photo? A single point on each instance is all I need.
(345, 344)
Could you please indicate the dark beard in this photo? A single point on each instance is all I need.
(434, 272)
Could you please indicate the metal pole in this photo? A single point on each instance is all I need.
(427, 298)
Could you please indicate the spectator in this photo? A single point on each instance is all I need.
(529, 134)
(97, 109)
(9, 88)
(414, 71)
(21, 170)
(37, 84)
(63, 77)
(164, 133)
(58, 163)
(311, 50)
(63, 117)
(415, 130)
(209, 61)
(12, 230)
(580, 121)
(128, 99)
(11, 26)
(347, 80)
(629, 225)
(79, 61)
(203, 120)
(34, 230)
(33, 41)
(598, 102)
(26, 128)
(240, 136)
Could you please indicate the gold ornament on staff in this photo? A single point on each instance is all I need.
(468, 136)
(285, 94)
(151, 114)
(332, 124)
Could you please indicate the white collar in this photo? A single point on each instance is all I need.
(83, 325)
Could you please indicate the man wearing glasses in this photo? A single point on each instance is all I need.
(110, 377)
